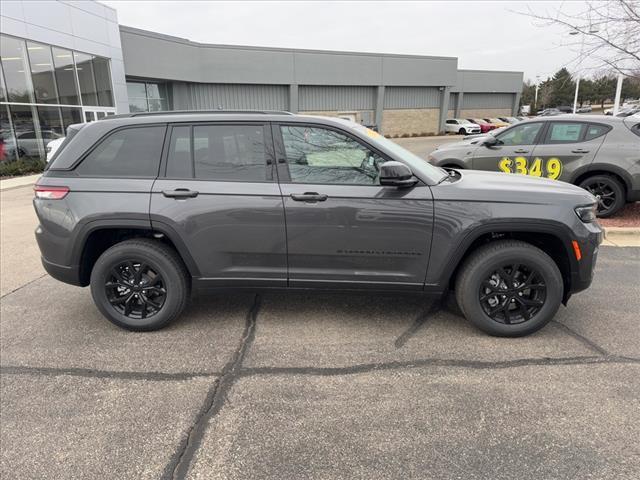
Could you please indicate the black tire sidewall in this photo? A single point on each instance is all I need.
(480, 271)
(615, 186)
(176, 291)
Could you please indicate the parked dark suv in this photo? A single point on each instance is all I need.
(146, 208)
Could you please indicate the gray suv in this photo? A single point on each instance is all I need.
(598, 153)
(147, 208)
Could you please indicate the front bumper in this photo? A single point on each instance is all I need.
(582, 272)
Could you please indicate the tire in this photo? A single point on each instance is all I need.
(482, 266)
(132, 275)
(462, 131)
(609, 191)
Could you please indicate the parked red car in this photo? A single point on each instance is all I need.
(484, 126)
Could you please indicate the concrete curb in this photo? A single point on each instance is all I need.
(622, 236)
(621, 231)
(18, 182)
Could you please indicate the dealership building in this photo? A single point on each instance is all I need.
(69, 62)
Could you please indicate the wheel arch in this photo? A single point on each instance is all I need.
(602, 169)
(551, 237)
(98, 236)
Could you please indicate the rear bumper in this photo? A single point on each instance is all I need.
(63, 273)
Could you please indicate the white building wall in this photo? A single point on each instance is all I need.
(85, 26)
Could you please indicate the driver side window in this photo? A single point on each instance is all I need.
(320, 155)
(520, 135)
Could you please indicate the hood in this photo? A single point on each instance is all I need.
(485, 186)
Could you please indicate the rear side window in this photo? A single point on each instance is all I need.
(179, 162)
(229, 152)
(636, 129)
(565, 132)
(132, 152)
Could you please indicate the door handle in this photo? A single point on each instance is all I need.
(520, 150)
(579, 150)
(309, 197)
(179, 193)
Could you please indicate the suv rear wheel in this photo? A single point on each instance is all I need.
(509, 288)
(140, 284)
(609, 192)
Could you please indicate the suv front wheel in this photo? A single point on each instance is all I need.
(140, 284)
(509, 288)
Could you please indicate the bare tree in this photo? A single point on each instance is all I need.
(609, 33)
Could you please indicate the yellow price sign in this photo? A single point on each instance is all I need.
(552, 168)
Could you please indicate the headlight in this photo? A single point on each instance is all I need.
(587, 213)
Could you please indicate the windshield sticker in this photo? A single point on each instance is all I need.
(551, 168)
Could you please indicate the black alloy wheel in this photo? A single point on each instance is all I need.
(135, 289)
(513, 294)
(604, 193)
(609, 192)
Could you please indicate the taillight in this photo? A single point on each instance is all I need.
(47, 192)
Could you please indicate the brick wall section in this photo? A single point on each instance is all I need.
(485, 113)
(400, 122)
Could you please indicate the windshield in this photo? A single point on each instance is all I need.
(416, 163)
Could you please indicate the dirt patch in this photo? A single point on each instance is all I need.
(629, 216)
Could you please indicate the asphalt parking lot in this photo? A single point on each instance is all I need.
(312, 385)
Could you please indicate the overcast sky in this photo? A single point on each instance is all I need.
(482, 34)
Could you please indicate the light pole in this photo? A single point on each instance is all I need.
(535, 100)
(575, 97)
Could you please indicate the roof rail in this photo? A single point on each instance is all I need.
(182, 112)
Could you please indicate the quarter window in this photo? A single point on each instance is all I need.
(229, 152)
(319, 155)
(134, 152)
(520, 135)
(595, 131)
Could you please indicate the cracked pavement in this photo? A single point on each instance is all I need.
(318, 385)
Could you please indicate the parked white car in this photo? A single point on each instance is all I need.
(461, 126)
(53, 146)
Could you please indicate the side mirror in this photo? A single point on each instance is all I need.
(396, 174)
(490, 141)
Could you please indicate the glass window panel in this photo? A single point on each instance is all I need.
(318, 155)
(70, 116)
(179, 159)
(225, 152)
(136, 90)
(3, 90)
(16, 69)
(42, 73)
(565, 132)
(51, 127)
(86, 78)
(138, 105)
(103, 81)
(595, 131)
(157, 104)
(65, 76)
(28, 141)
(521, 135)
(7, 149)
(134, 152)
